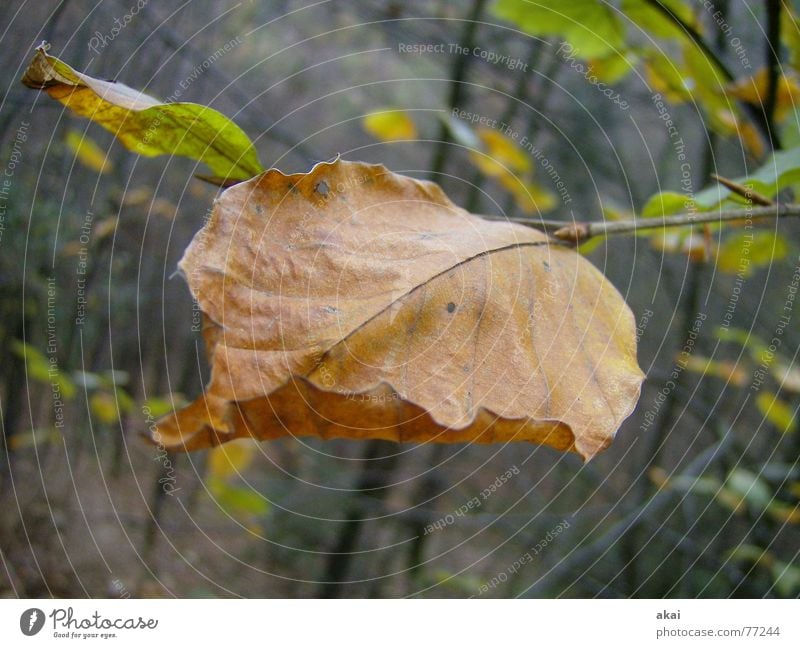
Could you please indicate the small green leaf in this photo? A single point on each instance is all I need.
(780, 172)
(656, 22)
(238, 500)
(87, 152)
(390, 125)
(43, 370)
(665, 204)
(592, 28)
(159, 406)
(144, 124)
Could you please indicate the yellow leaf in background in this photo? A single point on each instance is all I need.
(143, 197)
(754, 90)
(137, 196)
(500, 155)
(35, 437)
(592, 28)
(790, 35)
(706, 75)
(164, 208)
(691, 243)
(664, 75)
(88, 152)
(752, 140)
(659, 477)
(744, 252)
(106, 227)
(727, 123)
(231, 458)
(109, 406)
(103, 407)
(503, 159)
(157, 406)
(785, 512)
(787, 375)
(664, 204)
(613, 67)
(529, 196)
(727, 371)
(390, 125)
(777, 412)
(656, 23)
(242, 503)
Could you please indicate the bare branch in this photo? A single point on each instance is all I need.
(579, 231)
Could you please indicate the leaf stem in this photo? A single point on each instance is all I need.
(457, 77)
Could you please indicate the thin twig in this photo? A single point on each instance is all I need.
(758, 117)
(457, 77)
(580, 231)
(773, 67)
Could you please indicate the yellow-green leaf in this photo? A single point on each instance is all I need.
(88, 152)
(592, 28)
(103, 407)
(667, 76)
(35, 437)
(777, 412)
(530, 197)
(44, 369)
(780, 172)
(157, 406)
(656, 22)
(390, 125)
(790, 35)
(231, 458)
(500, 155)
(613, 66)
(238, 501)
(753, 90)
(730, 372)
(109, 406)
(145, 125)
(743, 252)
(665, 204)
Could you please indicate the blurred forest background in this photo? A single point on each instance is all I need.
(697, 496)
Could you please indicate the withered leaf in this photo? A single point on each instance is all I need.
(355, 302)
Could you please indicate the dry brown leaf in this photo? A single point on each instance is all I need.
(354, 302)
